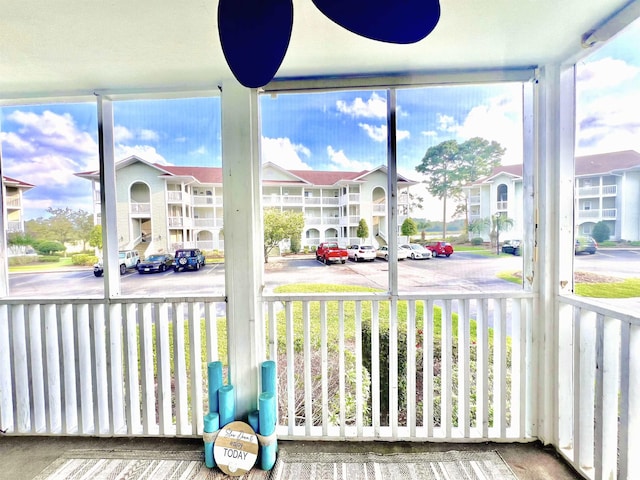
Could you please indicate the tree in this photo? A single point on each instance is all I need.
(49, 247)
(478, 226)
(409, 227)
(450, 165)
(95, 237)
(500, 223)
(63, 225)
(363, 229)
(601, 232)
(279, 226)
(20, 239)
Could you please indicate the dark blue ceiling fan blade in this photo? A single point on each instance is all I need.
(392, 21)
(255, 35)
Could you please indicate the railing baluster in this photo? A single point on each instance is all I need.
(446, 370)
(6, 391)
(68, 366)
(132, 373)
(341, 368)
(463, 367)
(195, 350)
(163, 361)
(116, 380)
(20, 387)
(325, 368)
(52, 368)
(291, 393)
(393, 367)
(147, 379)
(411, 367)
(629, 400)
(180, 370)
(427, 374)
(358, 346)
(482, 354)
(37, 391)
(308, 399)
(375, 367)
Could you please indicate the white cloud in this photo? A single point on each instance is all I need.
(52, 170)
(52, 130)
(446, 123)
(379, 134)
(374, 107)
(282, 152)
(148, 135)
(15, 143)
(146, 152)
(604, 73)
(429, 133)
(202, 150)
(339, 161)
(121, 134)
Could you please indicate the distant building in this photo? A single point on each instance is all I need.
(13, 191)
(607, 188)
(162, 207)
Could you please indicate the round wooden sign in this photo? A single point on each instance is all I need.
(236, 448)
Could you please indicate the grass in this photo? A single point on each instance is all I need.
(628, 288)
(477, 250)
(41, 266)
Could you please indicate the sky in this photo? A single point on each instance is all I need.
(45, 145)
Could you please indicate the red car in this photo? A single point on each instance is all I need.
(440, 248)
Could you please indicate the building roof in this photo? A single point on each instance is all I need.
(16, 183)
(587, 165)
(213, 175)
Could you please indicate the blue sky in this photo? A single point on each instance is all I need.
(344, 130)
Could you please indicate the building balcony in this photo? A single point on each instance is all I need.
(14, 227)
(91, 369)
(206, 200)
(208, 222)
(599, 191)
(179, 222)
(174, 196)
(595, 215)
(139, 208)
(13, 202)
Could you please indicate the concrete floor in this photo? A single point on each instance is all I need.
(22, 458)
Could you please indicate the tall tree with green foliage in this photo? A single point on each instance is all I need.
(409, 227)
(278, 226)
(500, 223)
(451, 165)
(63, 225)
(363, 229)
(95, 237)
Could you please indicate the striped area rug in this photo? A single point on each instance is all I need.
(189, 465)
(451, 465)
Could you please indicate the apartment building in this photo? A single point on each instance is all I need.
(13, 191)
(607, 188)
(162, 207)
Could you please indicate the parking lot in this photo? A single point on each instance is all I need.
(460, 272)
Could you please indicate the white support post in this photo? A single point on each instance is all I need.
(108, 198)
(555, 103)
(243, 229)
(4, 257)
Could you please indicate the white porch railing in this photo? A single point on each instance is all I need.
(599, 409)
(371, 367)
(94, 367)
(441, 367)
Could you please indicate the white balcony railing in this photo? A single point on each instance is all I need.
(174, 196)
(137, 208)
(599, 410)
(444, 367)
(597, 214)
(597, 191)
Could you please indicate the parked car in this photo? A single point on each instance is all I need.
(383, 252)
(331, 252)
(511, 246)
(416, 251)
(158, 262)
(361, 252)
(586, 244)
(188, 259)
(440, 248)
(126, 258)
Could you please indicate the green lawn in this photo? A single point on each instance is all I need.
(42, 266)
(627, 288)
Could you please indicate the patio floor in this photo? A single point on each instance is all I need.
(22, 458)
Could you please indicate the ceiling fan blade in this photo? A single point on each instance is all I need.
(254, 35)
(392, 21)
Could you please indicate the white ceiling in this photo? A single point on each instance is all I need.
(57, 47)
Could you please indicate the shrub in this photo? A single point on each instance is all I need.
(600, 232)
(83, 259)
(49, 258)
(22, 260)
(476, 241)
(295, 244)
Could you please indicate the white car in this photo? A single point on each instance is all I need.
(416, 251)
(383, 252)
(361, 252)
